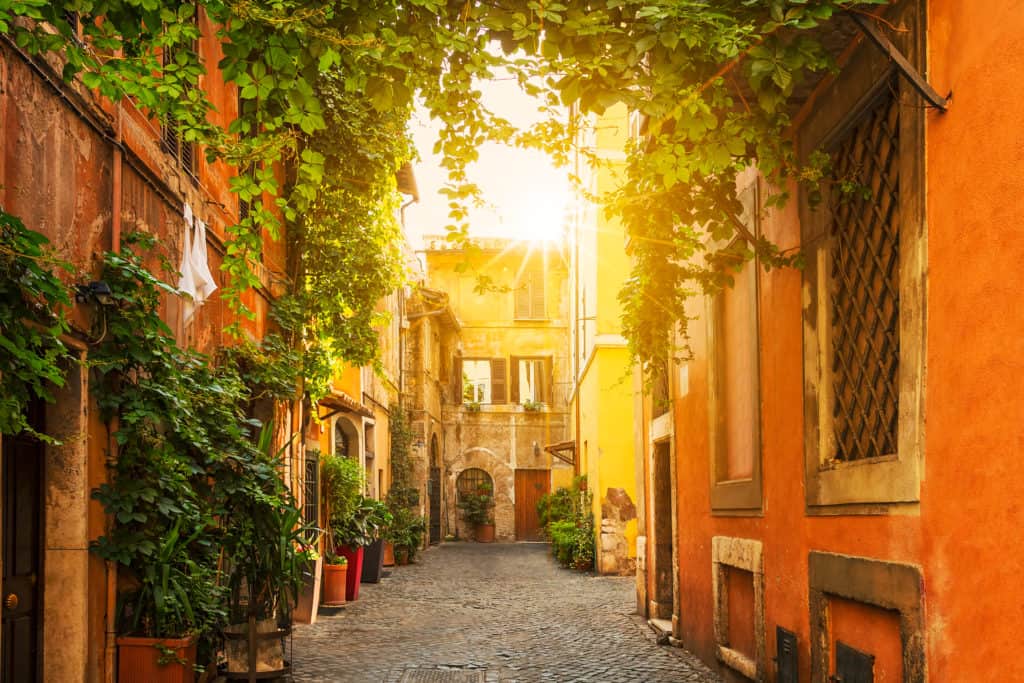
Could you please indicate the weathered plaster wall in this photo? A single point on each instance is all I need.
(961, 534)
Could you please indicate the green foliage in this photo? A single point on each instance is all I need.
(477, 508)
(190, 489)
(403, 492)
(568, 521)
(368, 521)
(341, 485)
(406, 530)
(32, 300)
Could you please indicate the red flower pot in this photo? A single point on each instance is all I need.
(139, 660)
(355, 570)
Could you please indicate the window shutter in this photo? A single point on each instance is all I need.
(513, 379)
(456, 381)
(498, 385)
(546, 385)
(523, 300)
(537, 294)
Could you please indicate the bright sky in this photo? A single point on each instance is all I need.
(525, 195)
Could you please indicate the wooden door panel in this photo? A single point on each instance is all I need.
(530, 486)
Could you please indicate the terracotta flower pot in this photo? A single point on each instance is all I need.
(333, 588)
(140, 660)
(401, 556)
(389, 554)
(484, 533)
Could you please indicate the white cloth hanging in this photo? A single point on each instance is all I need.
(187, 282)
(202, 278)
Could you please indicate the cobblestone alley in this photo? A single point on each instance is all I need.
(473, 613)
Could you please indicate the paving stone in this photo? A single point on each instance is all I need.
(490, 613)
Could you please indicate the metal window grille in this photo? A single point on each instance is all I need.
(865, 296)
(472, 481)
(311, 490)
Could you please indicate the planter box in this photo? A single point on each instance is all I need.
(355, 570)
(269, 642)
(373, 562)
(389, 554)
(138, 660)
(309, 598)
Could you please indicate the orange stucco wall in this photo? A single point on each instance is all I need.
(963, 534)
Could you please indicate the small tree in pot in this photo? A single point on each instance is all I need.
(478, 510)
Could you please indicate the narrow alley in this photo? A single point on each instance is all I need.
(471, 612)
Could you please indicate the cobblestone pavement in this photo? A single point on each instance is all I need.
(475, 613)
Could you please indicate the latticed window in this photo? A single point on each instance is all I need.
(473, 481)
(864, 294)
(311, 490)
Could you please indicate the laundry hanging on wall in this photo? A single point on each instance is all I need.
(196, 281)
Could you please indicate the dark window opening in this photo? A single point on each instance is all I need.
(473, 481)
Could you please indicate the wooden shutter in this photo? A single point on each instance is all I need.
(523, 299)
(546, 392)
(537, 294)
(455, 386)
(513, 380)
(498, 384)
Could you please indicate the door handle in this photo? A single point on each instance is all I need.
(11, 601)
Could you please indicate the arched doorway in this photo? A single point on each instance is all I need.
(346, 439)
(435, 491)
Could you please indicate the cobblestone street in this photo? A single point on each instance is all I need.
(486, 613)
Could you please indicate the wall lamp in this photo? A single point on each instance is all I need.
(97, 291)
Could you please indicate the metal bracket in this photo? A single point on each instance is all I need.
(913, 76)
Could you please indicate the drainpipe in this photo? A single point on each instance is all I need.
(110, 650)
(576, 317)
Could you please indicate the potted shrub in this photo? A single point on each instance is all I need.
(406, 533)
(335, 570)
(309, 597)
(175, 598)
(262, 537)
(377, 518)
(477, 510)
(341, 486)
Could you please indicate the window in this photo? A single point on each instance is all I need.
(171, 139)
(734, 399)
(473, 481)
(865, 280)
(311, 490)
(531, 380)
(530, 295)
(483, 380)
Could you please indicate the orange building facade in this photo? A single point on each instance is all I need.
(831, 489)
(85, 173)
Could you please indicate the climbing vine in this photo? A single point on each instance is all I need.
(712, 79)
(32, 302)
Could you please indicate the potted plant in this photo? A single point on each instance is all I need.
(309, 597)
(377, 518)
(335, 570)
(263, 534)
(477, 511)
(341, 487)
(406, 533)
(532, 406)
(174, 599)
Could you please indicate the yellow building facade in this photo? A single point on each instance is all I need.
(510, 377)
(601, 401)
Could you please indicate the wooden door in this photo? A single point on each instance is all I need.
(22, 555)
(530, 486)
(434, 491)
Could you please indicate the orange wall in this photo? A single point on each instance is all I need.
(964, 533)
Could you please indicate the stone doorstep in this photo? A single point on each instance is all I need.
(662, 629)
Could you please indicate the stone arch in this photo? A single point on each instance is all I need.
(345, 441)
(503, 480)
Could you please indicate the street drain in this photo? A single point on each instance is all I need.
(442, 676)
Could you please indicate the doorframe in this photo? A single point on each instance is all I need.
(662, 434)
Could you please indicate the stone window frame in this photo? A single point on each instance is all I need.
(746, 554)
(888, 585)
(736, 497)
(867, 486)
